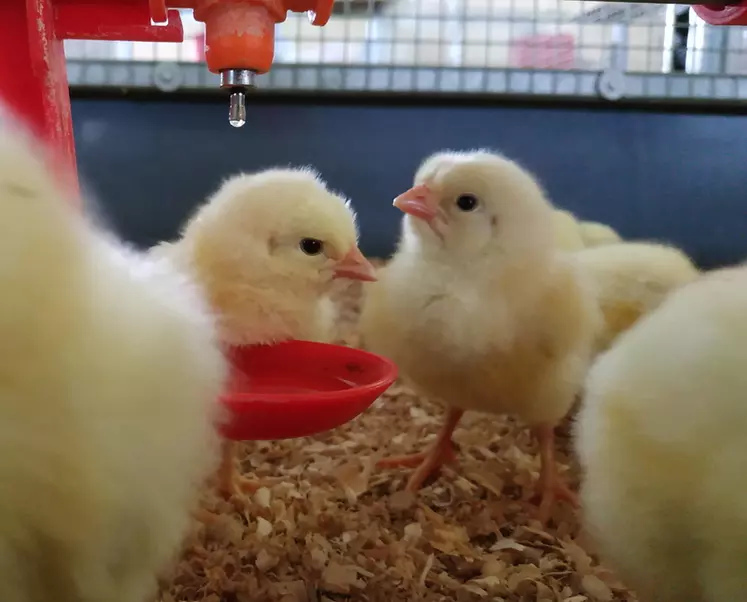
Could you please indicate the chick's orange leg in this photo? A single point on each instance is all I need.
(551, 486)
(427, 463)
(229, 481)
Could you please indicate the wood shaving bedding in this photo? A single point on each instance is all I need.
(329, 527)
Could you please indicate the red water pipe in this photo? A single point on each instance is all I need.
(33, 76)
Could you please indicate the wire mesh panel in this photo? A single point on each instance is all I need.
(420, 44)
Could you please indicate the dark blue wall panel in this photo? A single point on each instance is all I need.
(668, 176)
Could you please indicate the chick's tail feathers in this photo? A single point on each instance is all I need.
(40, 242)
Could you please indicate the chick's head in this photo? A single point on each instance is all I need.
(476, 203)
(280, 229)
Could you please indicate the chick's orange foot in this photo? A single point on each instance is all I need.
(429, 462)
(549, 493)
(425, 463)
(551, 487)
(206, 517)
(229, 481)
(237, 485)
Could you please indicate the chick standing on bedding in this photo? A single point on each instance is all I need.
(109, 378)
(632, 279)
(594, 234)
(567, 233)
(661, 438)
(477, 307)
(266, 248)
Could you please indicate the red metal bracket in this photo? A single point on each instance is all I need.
(33, 75)
(131, 22)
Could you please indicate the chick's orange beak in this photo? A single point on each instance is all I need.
(355, 267)
(419, 202)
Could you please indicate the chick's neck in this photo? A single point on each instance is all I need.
(253, 307)
(489, 267)
(262, 315)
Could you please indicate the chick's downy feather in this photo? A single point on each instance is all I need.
(267, 248)
(244, 247)
(477, 307)
(661, 438)
(594, 234)
(490, 318)
(567, 231)
(108, 383)
(632, 279)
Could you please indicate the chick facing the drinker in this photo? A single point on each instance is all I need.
(479, 309)
(266, 248)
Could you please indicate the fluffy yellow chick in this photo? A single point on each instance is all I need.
(267, 247)
(109, 378)
(479, 309)
(661, 438)
(594, 234)
(632, 279)
(567, 233)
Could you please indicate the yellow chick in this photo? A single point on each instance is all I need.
(567, 233)
(109, 377)
(478, 308)
(594, 234)
(632, 279)
(266, 248)
(661, 438)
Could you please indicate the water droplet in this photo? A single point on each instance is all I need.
(237, 109)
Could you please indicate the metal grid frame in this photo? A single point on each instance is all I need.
(170, 77)
(618, 63)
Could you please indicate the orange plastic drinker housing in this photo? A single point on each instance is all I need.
(240, 34)
(33, 76)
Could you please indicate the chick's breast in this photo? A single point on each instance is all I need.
(661, 438)
(480, 349)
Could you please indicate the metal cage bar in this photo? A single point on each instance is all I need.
(555, 48)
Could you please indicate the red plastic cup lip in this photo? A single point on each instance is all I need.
(387, 367)
(267, 414)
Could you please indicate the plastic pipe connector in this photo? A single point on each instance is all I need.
(240, 34)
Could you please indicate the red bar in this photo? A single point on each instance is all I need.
(115, 22)
(33, 77)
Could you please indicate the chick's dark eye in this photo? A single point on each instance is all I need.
(467, 202)
(311, 246)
